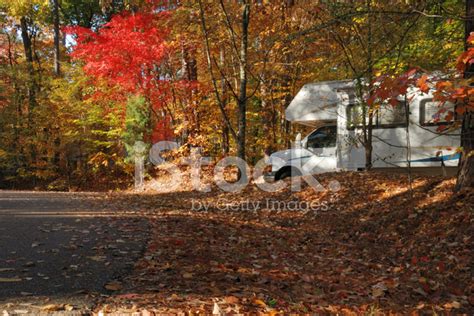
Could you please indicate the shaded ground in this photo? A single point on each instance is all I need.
(374, 248)
(59, 248)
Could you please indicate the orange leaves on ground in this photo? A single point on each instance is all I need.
(372, 247)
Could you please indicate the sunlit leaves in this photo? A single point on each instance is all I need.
(126, 51)
(19, 8)
(422, 84)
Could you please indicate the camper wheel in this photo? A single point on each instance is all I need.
(287, 172)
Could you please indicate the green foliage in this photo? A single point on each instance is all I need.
(31, 8)
(137, 123)
(86, 13)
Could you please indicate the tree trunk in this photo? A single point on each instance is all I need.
(370, 70)
(31, 86)
(225, 128)
(242, 100)
(57, 38)
(465, 178)
(267, 116)
(286, 79)
(27, 46)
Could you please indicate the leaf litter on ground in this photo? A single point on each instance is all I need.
(370, 246)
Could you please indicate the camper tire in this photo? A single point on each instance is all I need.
(287, 172)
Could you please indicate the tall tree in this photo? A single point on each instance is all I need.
(57, 35)
(28, 50)
(238, 40)
(465, 176)
(242, 98)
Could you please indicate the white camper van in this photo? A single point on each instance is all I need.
(334, 144)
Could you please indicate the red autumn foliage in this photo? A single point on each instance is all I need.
(128, 53)
(125, 51)
(388, 88)
(467, 57)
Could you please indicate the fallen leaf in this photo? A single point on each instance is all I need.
(306, 278)
(114, 286)
(231, 300)
(6, 280)
(259, 302)
(147, 313)
(453, 304)
(216, 310)
(420, 291)
(52, 307)
(98, 258)
(174, 297)
(378, 290)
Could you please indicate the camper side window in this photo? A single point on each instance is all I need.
(323, 137)
(434, 112)
(354, 116)
(387, 116)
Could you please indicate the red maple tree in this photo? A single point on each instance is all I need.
(128, 52)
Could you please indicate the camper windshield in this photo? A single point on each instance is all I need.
(323, 137)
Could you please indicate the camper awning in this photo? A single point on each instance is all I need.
(317, 102)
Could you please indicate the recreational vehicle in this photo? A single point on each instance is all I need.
(331, 108)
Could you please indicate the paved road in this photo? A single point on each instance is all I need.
(57, 247)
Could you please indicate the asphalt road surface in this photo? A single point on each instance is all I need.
(58, 247)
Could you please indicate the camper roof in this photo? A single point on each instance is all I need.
(317, 102)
